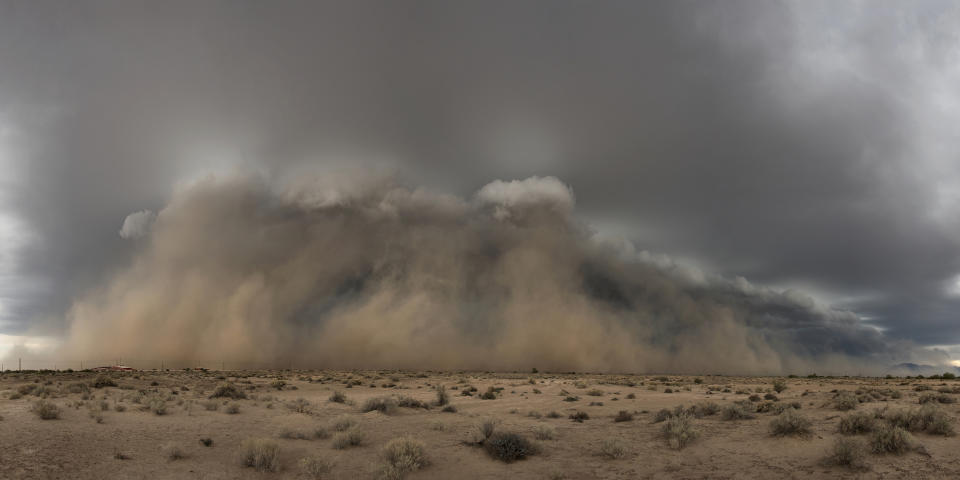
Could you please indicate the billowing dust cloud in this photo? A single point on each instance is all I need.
(364, 273)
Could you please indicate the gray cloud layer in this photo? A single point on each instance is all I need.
(800, 144)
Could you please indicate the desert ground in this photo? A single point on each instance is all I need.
(337, 424)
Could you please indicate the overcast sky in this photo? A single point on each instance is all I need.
(806, 145)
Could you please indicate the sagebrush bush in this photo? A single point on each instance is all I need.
(612, 448)
(315, 467)
(347, 439)
(410, 402)
(679, 431)
(623, 416)
(857, 423)
(509, 447)
(337, 397)
(706, 409)
(381, 404)
(890, 439)
(300, 405)
(228, 390)
(847, 452)
(401, 456)
(928, 418)
(262, 454)
(736, 411)
(790, 423)
(102, 381)
(662, 415)
(544, 432)
(232, 409)
(211, 405)
(343, 423)
(779, 385)
(845, 401)
(45, 410)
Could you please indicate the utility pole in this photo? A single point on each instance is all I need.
(20, 364)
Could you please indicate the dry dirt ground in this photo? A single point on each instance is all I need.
(116, 431)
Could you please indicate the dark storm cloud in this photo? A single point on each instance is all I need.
(799, 144)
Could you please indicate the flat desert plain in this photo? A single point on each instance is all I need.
(344, 424)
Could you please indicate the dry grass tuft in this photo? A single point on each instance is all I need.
(262, 454)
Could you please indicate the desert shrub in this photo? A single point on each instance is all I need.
(321, 432)
(490, 394)
(337, 397)
(410, 402)
(679, 431)
(890, 439)
(771, 397)
(102, 381)
(314, 467)
(45, 410)
(228, 390)
(847, 452)
(401, 456)
(595, 392)
(485, 429)
(735, 411)
(343, 423)
(174, 451)
(779, 385)
(612, 448)
(211, 405)
(380, 404)
(631, 396)
(579, 416)
(706, 409)
(662, 415)
(623, 416)
(509, 446)
(936, 398)
(300, 405)
(449, 409)
(928, 418)
(232, 409)
(157, 405)
(845, 401)
(347, 439)
(278, 384)
(291, 434)
(78, 387)
(443, 397)
(26, 389)
(544, 432)
(262, 454)
(857, 423)
(553, 414)
(206, 442)
(790, 423)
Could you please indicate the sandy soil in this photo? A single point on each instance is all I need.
(77, 445)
